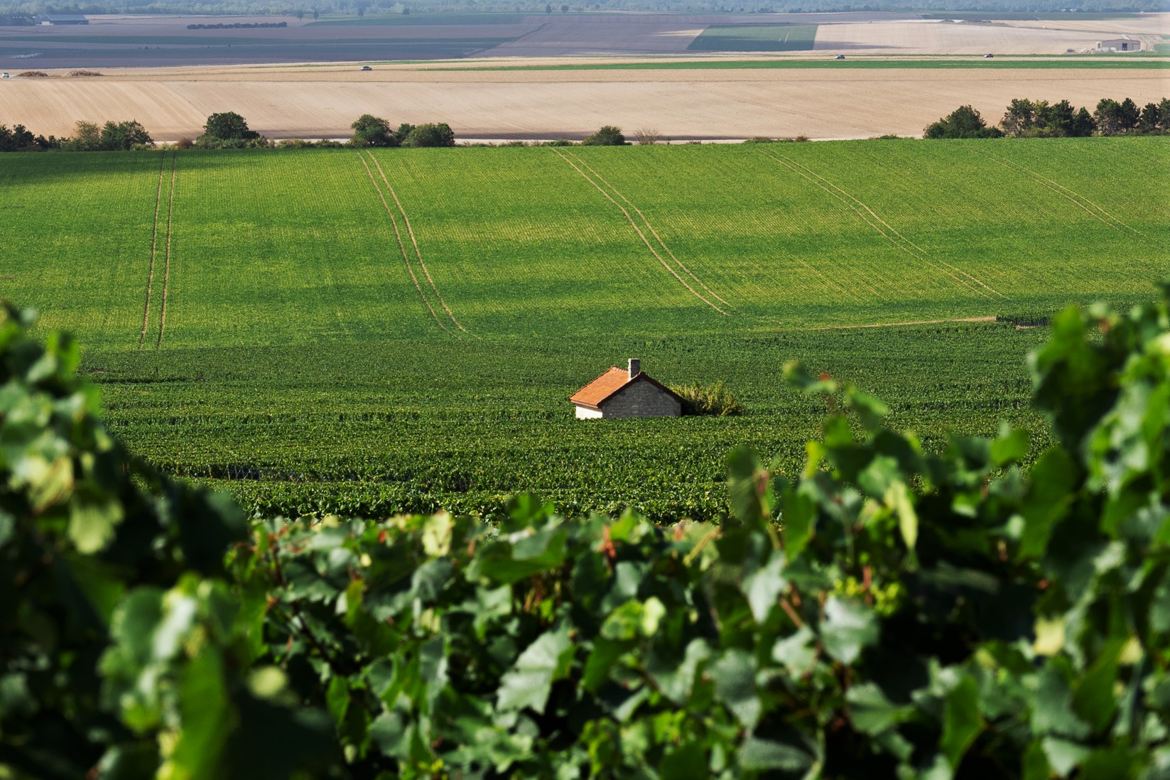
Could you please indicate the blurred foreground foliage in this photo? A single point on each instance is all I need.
(886, 613)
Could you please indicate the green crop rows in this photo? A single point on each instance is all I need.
(316, 351)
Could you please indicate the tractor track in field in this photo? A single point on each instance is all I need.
(162, 164)
(401, 246)
(1088, 206)
(162, 309)
(852, 207)
(888, 231)
(414, 242)
(649, 226)
(638, 230)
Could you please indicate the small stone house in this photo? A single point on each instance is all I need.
(628, 392)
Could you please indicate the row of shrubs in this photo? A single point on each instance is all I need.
(714, 400)
(227, 130)
(1040, 119)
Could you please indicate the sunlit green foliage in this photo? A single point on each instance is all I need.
(122, 647)
(714, 399)
(887, 613)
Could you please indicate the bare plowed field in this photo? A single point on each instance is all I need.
(308, 102)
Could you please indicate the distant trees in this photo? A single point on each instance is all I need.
(20, 139)
(110, 137)
(239, 26)
(369, 130)
(430, 134)
(1026, 118)
(607, 135)
(121, 136)
(228, 130)
(87, 137)
(963, 122)
(374, 131)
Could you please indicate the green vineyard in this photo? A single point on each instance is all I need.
(368, 332)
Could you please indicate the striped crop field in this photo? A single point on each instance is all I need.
(756, 37)
(390, 330)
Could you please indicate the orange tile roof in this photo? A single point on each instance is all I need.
(602, 387)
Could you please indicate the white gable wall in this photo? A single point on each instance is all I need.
(585, 413)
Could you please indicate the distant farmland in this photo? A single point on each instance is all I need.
(764, 37)
(402, 329)
(707, 99)
(162, 41)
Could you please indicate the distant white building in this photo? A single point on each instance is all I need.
(1119, 44)
(628, 392)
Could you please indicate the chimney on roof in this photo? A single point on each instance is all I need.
(635, 367)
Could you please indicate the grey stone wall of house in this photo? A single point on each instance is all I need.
(641, 399)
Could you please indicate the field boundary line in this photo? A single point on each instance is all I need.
(905, 244)
(401, 246)
(417, 252)
(900, 324)
(162, 310)
(638, 230)
(1072, 196)
(162, 166)
(648, 225)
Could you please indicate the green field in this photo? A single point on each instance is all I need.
(295, 346)
(755, 37)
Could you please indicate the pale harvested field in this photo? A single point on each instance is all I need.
(1146, 24)
(946, 37)
(322, 101)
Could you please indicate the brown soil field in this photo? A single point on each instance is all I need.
(166, 41)
(322, 101)
(141, 41)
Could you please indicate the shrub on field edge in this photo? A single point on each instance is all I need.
(607, 135)
(714, 400)
(426, 135)
(963, 122)
(647, 137)
(888, 612)
(370, 130)
(229, 130)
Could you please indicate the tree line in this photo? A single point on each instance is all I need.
(229, 130)
(226, 130)
(238, 26)
(88, 137)
(1040, 119)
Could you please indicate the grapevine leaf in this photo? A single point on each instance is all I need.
(542, 663)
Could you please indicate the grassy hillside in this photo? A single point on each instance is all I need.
(305, 345)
